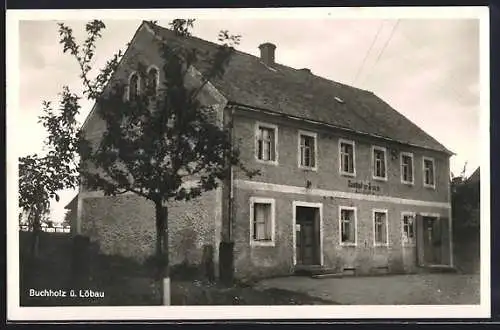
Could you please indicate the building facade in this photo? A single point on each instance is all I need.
(346, 183)
(343, 201)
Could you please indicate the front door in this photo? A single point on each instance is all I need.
(307, 236)
(432, 241)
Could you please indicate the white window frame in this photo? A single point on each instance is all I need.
(268, 126)
(353, 144)
(260, 200)
(413, 242)
(433, 185)
(374, 176)
(127, 94)
(152, 66)
(408, 154)
(350, 208)
(316, 158)
(386, 212)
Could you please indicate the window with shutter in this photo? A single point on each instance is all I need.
(262, 221)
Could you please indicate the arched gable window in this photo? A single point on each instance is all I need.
(133, 86)
(152, 79)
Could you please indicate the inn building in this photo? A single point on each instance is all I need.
(347, 184)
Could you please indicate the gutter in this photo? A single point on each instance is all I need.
(341, 128)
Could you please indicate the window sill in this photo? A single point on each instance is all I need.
(351, 175)
(430, 186)
(306, 168)
(408, 183)
(262, 243)
(267, 162)
(348, 244)
(379, 178)
(381, 245)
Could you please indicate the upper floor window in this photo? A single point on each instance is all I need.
(379, 162)
(407, 167)
(152, 79)
(266, 143)
(408, 226)
(262, 221)
(133, 86)
(380, 228)
(347, 225)
(307, 150)
(429, 179)
(347, 157)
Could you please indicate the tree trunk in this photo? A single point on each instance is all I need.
(35, 237)
(162, 252)
(166, 270)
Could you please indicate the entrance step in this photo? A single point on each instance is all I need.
(440, 269)
(320, 272)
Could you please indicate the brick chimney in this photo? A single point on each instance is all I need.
(267, 53)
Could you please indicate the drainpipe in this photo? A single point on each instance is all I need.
(231, 179)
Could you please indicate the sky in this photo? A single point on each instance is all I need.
(427, 69)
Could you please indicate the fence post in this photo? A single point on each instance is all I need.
(208, 263)
(226, 262)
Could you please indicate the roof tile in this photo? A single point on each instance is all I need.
(302, 94)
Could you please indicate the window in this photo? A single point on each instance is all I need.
(266, 147)
(408, 224)
(347, 157)
(379, 163)
(262, 221)
(407, 168)
(429, 172)
(380, 232)
(133, 86)
(152, 80)
(307, 150)
(347, 225)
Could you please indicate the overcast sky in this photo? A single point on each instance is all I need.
(426, 69)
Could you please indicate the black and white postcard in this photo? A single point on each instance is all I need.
(287, 163)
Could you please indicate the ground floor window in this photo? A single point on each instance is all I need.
(347, 225)
(262, 221)
(408, 224)
(380, 229)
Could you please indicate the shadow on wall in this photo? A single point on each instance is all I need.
(185, 244)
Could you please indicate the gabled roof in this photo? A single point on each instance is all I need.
(72, 204)
(282, 89)
(474, 177)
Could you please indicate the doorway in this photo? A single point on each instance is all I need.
(432, 240)
(307, 235)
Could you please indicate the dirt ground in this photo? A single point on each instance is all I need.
(415, 289)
